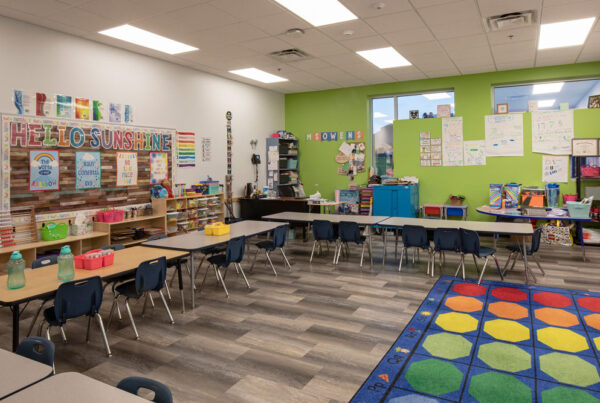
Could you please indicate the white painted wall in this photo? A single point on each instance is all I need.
(162, 94)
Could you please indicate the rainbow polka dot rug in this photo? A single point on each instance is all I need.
(494, 342)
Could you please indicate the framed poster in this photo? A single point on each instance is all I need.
(127, 169)
(87, 170)
(159, 167)
(585, 147)
(44, 170)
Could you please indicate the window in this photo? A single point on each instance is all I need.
(385, 110)
(547, 95)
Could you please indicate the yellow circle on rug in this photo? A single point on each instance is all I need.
(562, 339)
(464, 304)
(507, 330)
(457, 322)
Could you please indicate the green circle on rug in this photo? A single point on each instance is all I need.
(504, 356)
(447, 345)
(494, 387)
(433, 376)
(562, 394)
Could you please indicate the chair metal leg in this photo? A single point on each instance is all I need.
(87, 333)
(166, 306)
(168, 291)
(538, 264)
(255, 257)
(151, 300)
(476, 265)
(362, 253)
(222, 282)
(110, 315)
(104, 338)
(40, 328)
(270, 262)
(63, 335)
(286, 259)
(432, 263)
(498, 267)
(35, 317)
(404, 250)
(505, 269)
(244, 274)
(48, 333)
(137, 336)
(483, 269)
(119, 311)
(204, 278)
(313, 251)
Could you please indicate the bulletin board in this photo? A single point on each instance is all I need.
(21, 134)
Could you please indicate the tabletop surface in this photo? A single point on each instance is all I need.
(72, 387)
(19, 372)
(479, 226)
(44, 280)
(334, 218)
(516, 213)
(196, 240)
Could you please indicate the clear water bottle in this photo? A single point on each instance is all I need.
(16, 271)
(66, 264)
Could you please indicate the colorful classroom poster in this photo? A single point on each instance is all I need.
(82, 108)
(87, 169)
(43, 104)
(114, 115)
(504, 135)
(475, 152)
(555, 168)
(185, 151)
(551, 132)
(128, 114)
(97, 110)
(64, 106)
(159, 167)
(127, 169)
(44, 170)
(452, 141)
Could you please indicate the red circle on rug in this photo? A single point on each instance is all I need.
(509, 294)
(591, 303)
(552, 299)
(472, 290)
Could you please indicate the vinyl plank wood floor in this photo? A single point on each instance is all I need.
(310, 335)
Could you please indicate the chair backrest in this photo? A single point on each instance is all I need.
(133, 384)
(235, 250)
(469, 241)
(535, 240)
(114, 246)
(349, 231)
(415, 236)
(44, 261)
(78, 298)
(155, 237)
(323, 230)
(150, 275)
(446, 239)
(279, 236)
(38, 349)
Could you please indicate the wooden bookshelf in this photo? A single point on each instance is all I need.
(190, 213)
(158, 219)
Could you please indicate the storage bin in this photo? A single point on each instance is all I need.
(54, 232)
(218, 228)
(590, 170)
(578, 209)
(108, 259)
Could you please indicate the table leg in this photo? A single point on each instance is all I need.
(180, 277)
(580, 235)
(192, 279)
(15, 330)
(527, 270)
(383, 235)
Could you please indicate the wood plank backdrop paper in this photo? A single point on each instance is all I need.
(46, 131)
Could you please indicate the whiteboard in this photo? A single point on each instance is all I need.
(551, 132)
(504, 135)
(452, 141)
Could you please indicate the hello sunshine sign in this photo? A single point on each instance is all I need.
(44, 170)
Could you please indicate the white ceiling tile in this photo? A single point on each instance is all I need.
(429, 3)
(441, 72)
(365, 9)
(422, 48)
(359, 28)
(474, 57)
(244, 9)
(465, 42)
(513, 35)
(474, 69)
(81, 19)
(279, 23)
(162, 6)
(365, 71)
(570, 11)
(348, 81)
(315, 43)
(266, 45)
(122, 11)
(496, 7)
(591, 49)
(406, 73)
(437, 61)
(409, 36)
(310, 64)
(35, 7)
(550, 57)
(224, 35)
(305, 78)
(514, 64)
(450, 12)
(518, 52)
(201, 16)
(406, 20)
(348, 58)
(289, 87)
(370, 42)
(457, 29)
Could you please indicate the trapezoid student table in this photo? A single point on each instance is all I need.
(197, 240)
(19, 373)
(43, 282)
(515, 213)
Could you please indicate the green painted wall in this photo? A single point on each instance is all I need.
(348, 109)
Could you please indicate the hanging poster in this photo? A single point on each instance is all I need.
(64, 106)
(42, 105)
(206, 148)
(114, 115)
(23, 102)
(127, 169)
(128, 114)
(82, 108)
(504, 135)
(186, 149)
(555, 168)
(551, 132)
(475, 152)
(452, 141)
(87, 170)
(44, 170)
(159, 167)
(97, 110)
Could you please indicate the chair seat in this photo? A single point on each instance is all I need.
(517, 248)
(218, 260)
(485, 251)
(268, 245)
(128, 289)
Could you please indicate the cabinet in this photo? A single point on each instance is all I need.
(396, 200)
(282, 166)
(190, 213)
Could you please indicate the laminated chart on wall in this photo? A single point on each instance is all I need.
(452, 141)
(504, 135)
(186, 149)
(425, 149)
(551, 132)
(475, 152)
(555, 168)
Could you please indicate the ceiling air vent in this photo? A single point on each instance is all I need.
(510, 21)
(289, 55)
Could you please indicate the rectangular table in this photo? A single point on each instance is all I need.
(43, 282)
(19, 372)
(197, 240)
(72, 387)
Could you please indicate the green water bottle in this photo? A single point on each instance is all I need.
(16, 271)
(66, 264)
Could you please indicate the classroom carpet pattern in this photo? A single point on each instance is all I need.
(494, 342)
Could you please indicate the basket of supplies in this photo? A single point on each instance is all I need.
(217, 228)
(580, 209)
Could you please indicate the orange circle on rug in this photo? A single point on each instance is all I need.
(593, 320)
(556, 317)
(591, 303)
(509, 294)
(508, 310)
(471, 290)
(464, 304)
(552, 299)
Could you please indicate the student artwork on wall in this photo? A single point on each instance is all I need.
(114, 114)
(186, 150)
(555, 168)
(87, 169)
(452, 141)
(504, 135)
(159, 167)
(43, 104)
(44, 170)
(82, 108)
(551, 132)
(425, 148)
(475, 152)
(97, 111)
(127, 169)
(64, 106)
(352, 157)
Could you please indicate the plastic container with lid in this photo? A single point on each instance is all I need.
(66, 264)
(16, 271)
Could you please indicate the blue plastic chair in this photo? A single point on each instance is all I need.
(415, 236)
(233, 254)
(114, 246)
(470, 245)
(517, 250)
(445, 240)
(37, 263)
(37, 349)
(73, 300)
(349, 231)
(279, 237)
(149, 276)
(162, 394)
(322, 231)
